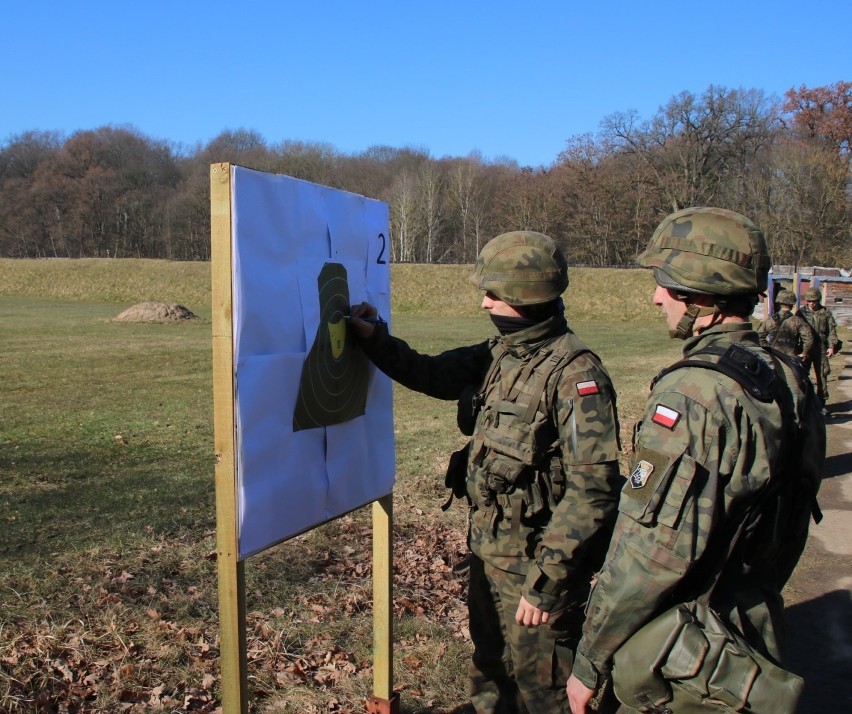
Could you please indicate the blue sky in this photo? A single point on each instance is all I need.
(507, 79)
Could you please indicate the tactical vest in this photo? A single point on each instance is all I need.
(515, 446)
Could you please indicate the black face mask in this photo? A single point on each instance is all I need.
(509, 325)
(539, 313)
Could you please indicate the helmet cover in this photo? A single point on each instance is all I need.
(710, 251)
(521, 268)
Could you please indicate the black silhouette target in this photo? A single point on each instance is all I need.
(333, 387)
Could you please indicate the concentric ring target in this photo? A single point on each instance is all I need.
(333, 387)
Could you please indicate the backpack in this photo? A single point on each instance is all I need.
(688, 659)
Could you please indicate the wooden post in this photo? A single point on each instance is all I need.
(232, 602)
(384, 699)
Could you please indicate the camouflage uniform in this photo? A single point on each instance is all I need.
(703, 452)
(824, 326)
(787, 332)
(542, 482)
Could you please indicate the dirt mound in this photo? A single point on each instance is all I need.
(156, 312)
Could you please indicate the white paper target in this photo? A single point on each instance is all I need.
(314, 418)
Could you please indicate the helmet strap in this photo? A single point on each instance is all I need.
(686, 326)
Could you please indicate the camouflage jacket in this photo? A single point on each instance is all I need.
(823, 324)
(787, 332)
(702, 454)
(546, 513)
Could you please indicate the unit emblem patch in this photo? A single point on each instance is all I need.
(641, 473)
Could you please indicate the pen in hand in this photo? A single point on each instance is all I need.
(371, 320)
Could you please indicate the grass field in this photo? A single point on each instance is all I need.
(108, 596)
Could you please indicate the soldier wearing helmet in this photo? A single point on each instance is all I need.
(540, 472)
(826, 344)
(786, 331)
(727, 455)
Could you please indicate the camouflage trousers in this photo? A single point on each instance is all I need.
(822, 369)
(516, 669)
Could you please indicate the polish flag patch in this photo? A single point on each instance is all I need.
(589, 387)
(665, 417)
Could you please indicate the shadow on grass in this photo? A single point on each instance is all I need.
(100, 496)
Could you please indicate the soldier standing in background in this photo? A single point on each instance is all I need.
(731, 428)
(541, 475)
(785, 330)
(822, 322)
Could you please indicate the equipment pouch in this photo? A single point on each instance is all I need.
(506, 431)
(688, 661)
(467, 409)
(456, 477)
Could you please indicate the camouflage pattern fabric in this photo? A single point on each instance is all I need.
(521, 268)
(787, 332)
(506, 653)
(532, 540)
(823, 324)
(702, 453)
(785, 297)
(708, 250)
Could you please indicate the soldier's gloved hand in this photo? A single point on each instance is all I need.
(529, 615)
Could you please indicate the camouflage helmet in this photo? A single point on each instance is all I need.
(786, 297)
(521, 268)
(813, 294)
(709, 251)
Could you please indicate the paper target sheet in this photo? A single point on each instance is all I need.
(314, 418)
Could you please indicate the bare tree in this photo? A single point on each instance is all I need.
(694, 145)
(805, 207)
(403, 218)
(430, 208)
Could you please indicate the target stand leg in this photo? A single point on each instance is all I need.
(377, 705)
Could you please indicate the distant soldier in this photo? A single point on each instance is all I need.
(786, 331)
(541, 471)
(822, 322)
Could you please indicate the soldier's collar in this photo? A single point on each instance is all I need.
(531, 338)
(723, 332)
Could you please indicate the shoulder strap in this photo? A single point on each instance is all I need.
(796, 367)
(552, 363)
(737, 362)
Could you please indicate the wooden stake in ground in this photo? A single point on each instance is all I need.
(232, 603)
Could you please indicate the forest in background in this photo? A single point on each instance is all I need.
(784, 162)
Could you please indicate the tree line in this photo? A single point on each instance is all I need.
(113, 192)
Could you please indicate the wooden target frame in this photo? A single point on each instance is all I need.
(231, 569)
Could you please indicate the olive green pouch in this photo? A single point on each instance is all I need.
(687, 660)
